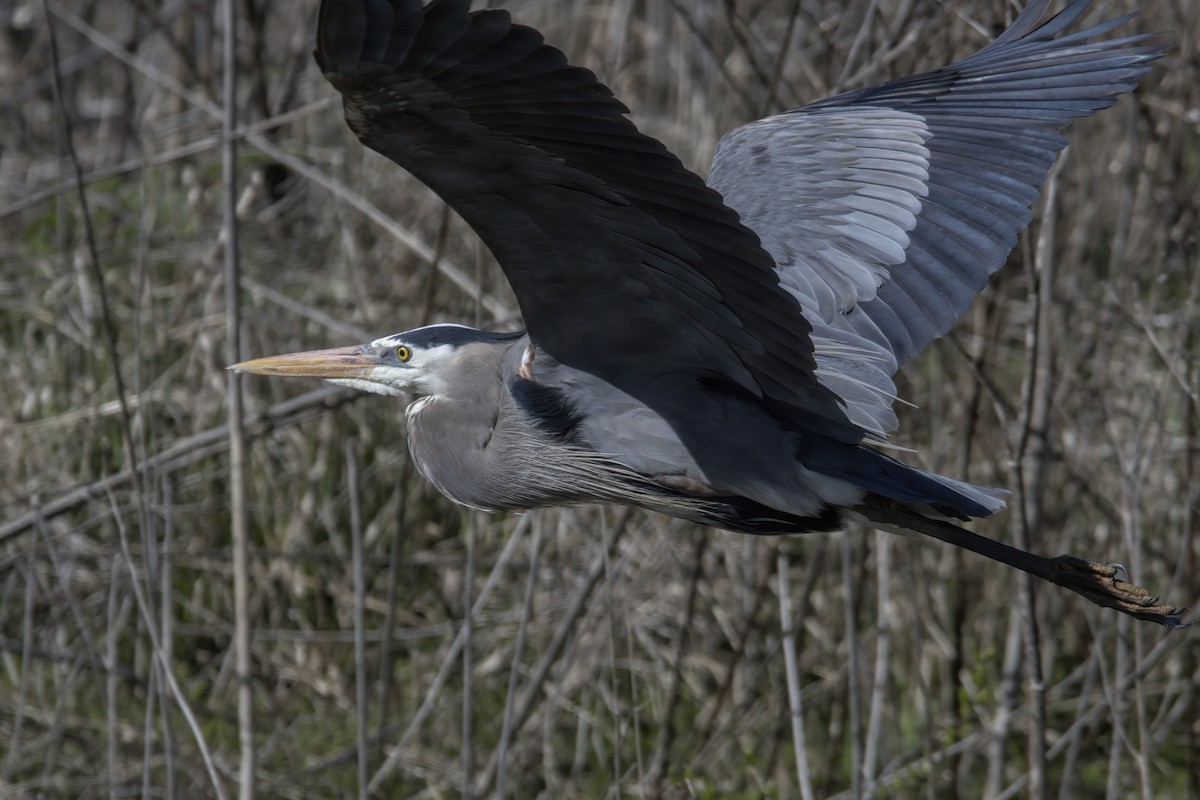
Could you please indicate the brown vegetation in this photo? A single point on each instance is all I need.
(625, 654)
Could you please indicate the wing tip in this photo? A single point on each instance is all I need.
(354, 33)
(341, 26)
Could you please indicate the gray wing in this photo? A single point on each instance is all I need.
(886, 209)
(624, 263)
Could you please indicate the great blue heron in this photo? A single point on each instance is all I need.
(721, 352)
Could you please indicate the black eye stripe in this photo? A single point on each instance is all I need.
(453, 335)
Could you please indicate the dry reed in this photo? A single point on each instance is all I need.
(611, 653)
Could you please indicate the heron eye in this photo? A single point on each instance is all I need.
(403, 353)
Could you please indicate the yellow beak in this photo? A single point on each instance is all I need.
(337, 362)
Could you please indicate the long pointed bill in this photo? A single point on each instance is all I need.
(337, 362)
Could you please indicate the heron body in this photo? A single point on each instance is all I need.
(721, 351)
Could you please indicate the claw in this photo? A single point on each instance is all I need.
(1103, 585)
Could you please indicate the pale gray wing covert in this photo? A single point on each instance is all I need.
(624, 263)
(887, 209)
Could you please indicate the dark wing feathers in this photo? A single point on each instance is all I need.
(624, 263)
(882, 211)
(445, 24)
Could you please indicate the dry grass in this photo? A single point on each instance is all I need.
(625, 653)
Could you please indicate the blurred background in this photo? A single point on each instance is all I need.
(610, 652)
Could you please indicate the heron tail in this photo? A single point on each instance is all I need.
(882, 475)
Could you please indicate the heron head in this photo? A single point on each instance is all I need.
(421, 360)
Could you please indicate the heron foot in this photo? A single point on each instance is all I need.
(1103, 585)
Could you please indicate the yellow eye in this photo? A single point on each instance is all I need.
(403, 353)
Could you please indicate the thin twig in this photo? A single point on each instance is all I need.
(1117, 703)
(166, 575)
(661, 764)
(1005, 711)
(186, 451)
(386, 657)
(1067, 785)
(111, 350)
(515, 669)
(17, 725)
(360, 624)
(180, 153)
(325, 320)
(1190, 540)
(448, 662)
(541, 672)
(792, 670)
(468, 664)
(238, 515)
(497, 309)
(901, 773)
(113, 628)
(93, 261)
(879, 683)
(852, 665)
(860, 39)
(151, 628)
(1030, 466)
